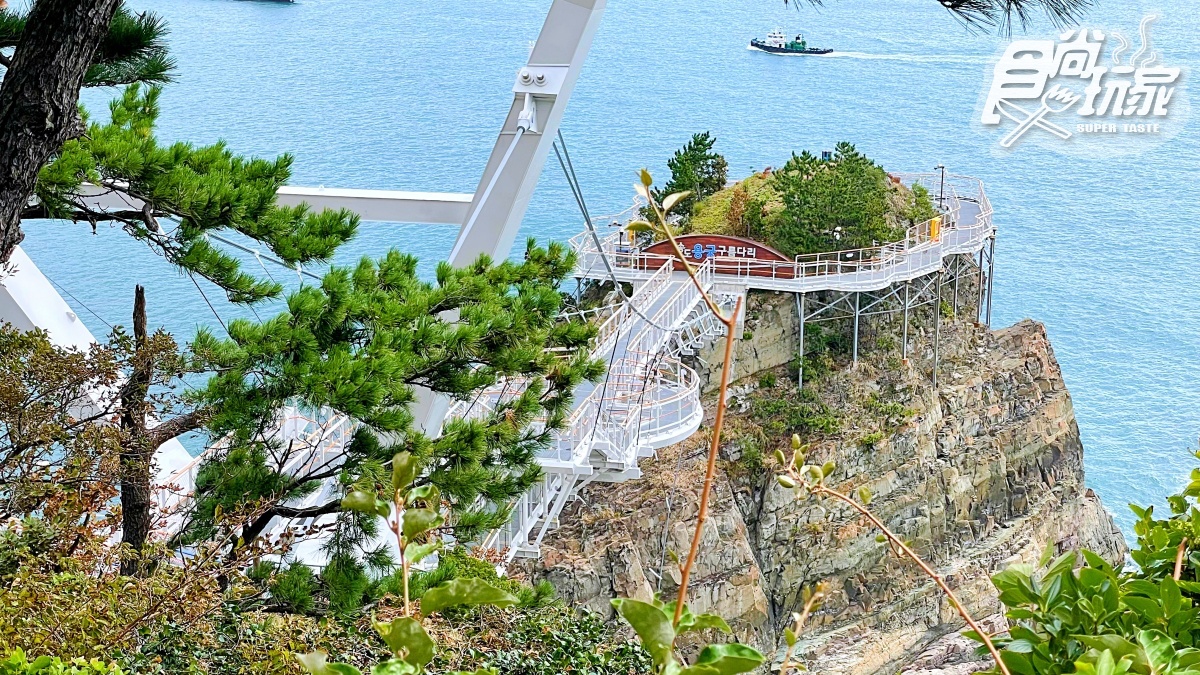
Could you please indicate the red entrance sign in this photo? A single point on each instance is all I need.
(731, 255)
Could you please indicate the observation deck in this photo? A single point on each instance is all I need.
(964, 226)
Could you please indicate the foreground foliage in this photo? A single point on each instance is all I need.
(1105, 620)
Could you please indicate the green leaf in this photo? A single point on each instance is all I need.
(1014, 586)
(359, 501)
(1021, 646)
(695, 622)
(383, 508)
(419, 521)
(639, 226)
(828, 469)
(786, 481)
(464, 592)
(1172, 599)
(317, 664)
(730, 659)
(1119, 646)
(653, 628)
(427, 493)
(404, 470)
(394, 667)
(407, 639)
(415, 552)
(864, 495)
(1159, 648)
(1047, 554)
(673, 199)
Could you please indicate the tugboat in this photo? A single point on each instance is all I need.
(777, 43)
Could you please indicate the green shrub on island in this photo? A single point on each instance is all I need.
(813, 205)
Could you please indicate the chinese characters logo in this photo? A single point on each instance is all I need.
(1037, 83)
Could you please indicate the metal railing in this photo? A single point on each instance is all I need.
(883, 264)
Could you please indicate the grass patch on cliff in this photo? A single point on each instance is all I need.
(781, 414)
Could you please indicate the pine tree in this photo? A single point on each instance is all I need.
(360, 344)
(357, 343)
(61, 46)
(204, 190)
(697, 170)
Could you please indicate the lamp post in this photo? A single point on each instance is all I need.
(942, 187)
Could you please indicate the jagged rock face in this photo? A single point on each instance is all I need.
(982, 474)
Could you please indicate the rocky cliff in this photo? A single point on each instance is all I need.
(983, 472)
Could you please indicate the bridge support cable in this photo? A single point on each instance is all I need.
(573, 180)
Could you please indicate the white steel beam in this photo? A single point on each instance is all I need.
(540, 97)
(517, 158)
(389, 206)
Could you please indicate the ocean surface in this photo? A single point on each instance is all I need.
(1102, 247)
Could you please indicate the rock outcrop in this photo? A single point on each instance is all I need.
(983, 472)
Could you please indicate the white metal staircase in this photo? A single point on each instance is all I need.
(647, 400)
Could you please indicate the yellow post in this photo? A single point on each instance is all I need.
(935, 227)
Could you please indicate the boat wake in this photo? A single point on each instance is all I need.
(910, 58)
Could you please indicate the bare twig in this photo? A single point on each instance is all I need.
(730, 323)
(710, 471)
(1179, 558)
(903, 550)
(799, 620)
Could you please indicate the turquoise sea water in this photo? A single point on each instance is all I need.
(410, 95)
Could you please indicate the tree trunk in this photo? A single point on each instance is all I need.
(39, 98)
(136, 449)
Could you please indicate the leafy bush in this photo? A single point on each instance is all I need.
(18, 664)
(822, 349)
(781, 416)
(1103, 620)
(458, 563)
(845, 202)
(550, 641)
(767, 380)
(870, 440)
(886, 409)
(293, 589)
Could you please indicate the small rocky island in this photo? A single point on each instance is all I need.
(979, 471)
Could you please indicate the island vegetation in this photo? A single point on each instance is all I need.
(812, 204)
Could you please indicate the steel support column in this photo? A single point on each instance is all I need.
(495, 214)
(979, 300)
(856, 310)
(904, 339)
(990, 278)
(937, 328)
(540, 97)
(957, 274)
(800, 369)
